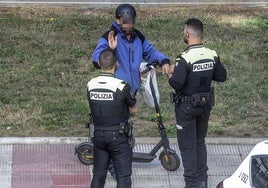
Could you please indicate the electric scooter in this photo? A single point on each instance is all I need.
(168, 157)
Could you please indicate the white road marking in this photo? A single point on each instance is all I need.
(5, 165)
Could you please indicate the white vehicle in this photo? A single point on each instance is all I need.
(253, 171)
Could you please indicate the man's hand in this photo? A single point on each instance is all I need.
(133, 110)
(171, 71)
(112, 40)
(165, 68)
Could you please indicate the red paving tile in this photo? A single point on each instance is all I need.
(60, 180)
(48, 166)
(71, 186)
(30, 181)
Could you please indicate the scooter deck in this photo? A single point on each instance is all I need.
(143, 157)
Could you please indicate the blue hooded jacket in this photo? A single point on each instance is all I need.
(130, 54)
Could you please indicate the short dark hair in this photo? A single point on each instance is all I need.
(107, 58)
(195, 24)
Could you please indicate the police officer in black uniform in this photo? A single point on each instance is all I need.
(191, 78)
(110, 103)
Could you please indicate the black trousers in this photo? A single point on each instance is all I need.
(192, 126)
(111, 145)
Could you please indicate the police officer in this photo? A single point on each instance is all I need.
(110, 103)
(191, 78)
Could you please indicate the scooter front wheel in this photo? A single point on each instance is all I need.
(85, 153)
(170, 161)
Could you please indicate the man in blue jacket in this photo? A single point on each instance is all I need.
(131, 47)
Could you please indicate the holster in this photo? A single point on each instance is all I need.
(200, 99)
(91, 131)
(203, 99)
(127, 128)
(90, 126)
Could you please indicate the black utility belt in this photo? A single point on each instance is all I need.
(121, 128)
(197, 99)
(106, 128)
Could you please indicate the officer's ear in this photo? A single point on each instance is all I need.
(187, 34)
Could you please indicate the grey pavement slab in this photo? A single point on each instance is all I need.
(51, 163)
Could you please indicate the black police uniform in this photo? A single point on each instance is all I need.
(109, 100)
(194, 71)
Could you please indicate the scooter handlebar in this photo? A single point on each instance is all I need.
(149, 66)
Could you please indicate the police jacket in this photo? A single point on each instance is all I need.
(109, 100)
(130, 54)
(195, 69)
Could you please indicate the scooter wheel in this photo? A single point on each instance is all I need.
(85, 154)
(170, 161)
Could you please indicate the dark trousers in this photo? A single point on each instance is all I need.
(192, 129)
(111, 145)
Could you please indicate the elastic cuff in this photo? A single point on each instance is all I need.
(165, 61)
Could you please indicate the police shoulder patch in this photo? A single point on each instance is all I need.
(121, 85)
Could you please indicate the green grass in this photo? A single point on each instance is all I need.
(45, 66)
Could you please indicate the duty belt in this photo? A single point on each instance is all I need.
(194, 98)
(177, 98)
(107, 128)
(121, 128)
(185, 98)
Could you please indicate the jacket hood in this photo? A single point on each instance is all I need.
(116, 27)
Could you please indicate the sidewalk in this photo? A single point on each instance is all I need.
(34, 162)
